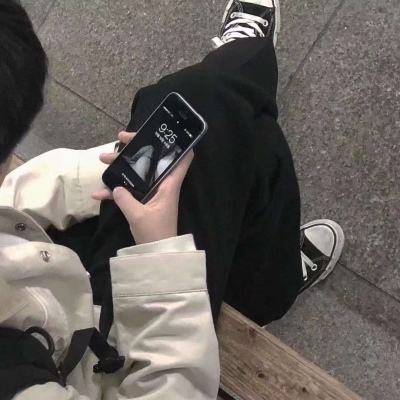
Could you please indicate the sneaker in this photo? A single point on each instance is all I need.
(247, 19)
(321, 244)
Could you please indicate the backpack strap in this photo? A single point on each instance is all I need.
(107, 311)
(109, 359)
(26, 362)
(77, 348)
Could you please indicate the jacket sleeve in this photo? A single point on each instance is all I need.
(163, 325)
(55, 187)
(163, 322)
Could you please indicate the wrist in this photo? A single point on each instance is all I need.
(154, 236)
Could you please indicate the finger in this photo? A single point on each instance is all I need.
(126, 137)
(180, 171)
(175, 179)
(101, 195)
(127, 203)
(108, 158)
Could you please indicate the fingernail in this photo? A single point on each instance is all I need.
(117, 189)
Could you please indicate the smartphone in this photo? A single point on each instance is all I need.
(166, 137)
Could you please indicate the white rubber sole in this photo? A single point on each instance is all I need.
(340, 240)
(277, 20)
(226, 10)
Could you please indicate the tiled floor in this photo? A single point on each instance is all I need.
(339, 99)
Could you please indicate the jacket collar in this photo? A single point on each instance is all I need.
(18, 223)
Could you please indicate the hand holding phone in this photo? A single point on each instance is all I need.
(158, 218)
(172, 130)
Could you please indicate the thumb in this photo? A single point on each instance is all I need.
(126, 202)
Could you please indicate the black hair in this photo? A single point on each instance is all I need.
(23, 72)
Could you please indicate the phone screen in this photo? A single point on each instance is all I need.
(166, 136)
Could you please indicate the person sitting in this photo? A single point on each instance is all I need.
(164, 344)
(239, 204)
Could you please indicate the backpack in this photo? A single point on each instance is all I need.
(21, 368)
(26, 362)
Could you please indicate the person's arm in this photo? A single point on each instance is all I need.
(55, 188)
(163, 322)
(162, 313)
(163, 326)
(173, 352)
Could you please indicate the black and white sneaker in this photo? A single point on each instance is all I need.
(247, 19)
(321, 244)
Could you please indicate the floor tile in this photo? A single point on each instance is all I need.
(68, 121)
(342, 119)
(350, 329)
(32, 146)
(105, 50)
(301, 23)
(37, 10)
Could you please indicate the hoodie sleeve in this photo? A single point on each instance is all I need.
(163, 321)
(163, 326)
(55, 188)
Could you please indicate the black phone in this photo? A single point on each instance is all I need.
(166, 137)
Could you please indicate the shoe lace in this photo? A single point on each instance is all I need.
(305, 261)
(243, 26)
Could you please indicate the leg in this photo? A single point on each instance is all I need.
(236, 178)
(265, 277)
(240, 198)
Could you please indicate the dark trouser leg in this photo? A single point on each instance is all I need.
(266, 273)
(240, 198)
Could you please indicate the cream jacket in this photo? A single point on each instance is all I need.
(162, 313)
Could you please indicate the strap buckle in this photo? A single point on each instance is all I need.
(109, 365)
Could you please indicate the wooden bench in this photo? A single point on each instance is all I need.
(15, 163)
(257, 366)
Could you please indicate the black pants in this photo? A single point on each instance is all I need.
(240, 198)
